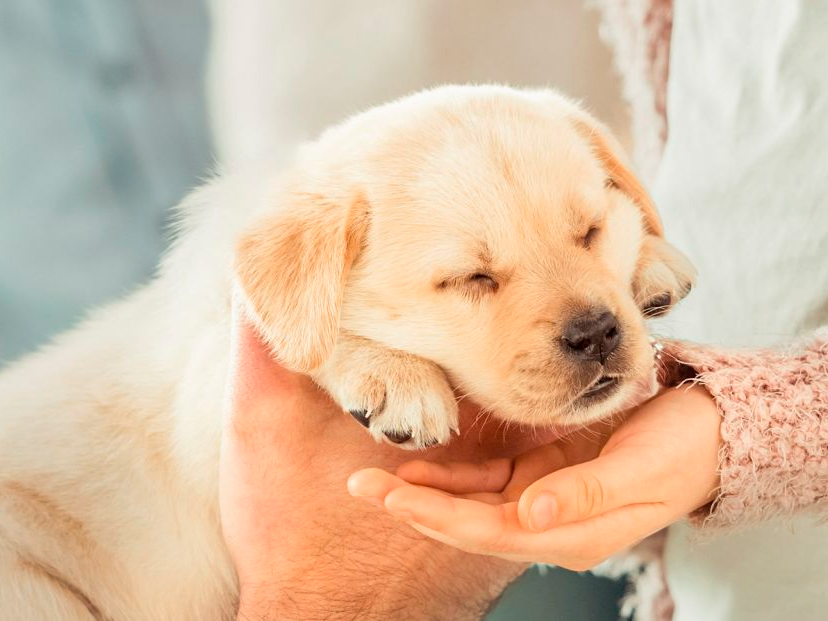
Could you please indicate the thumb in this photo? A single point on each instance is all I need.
(584, 491)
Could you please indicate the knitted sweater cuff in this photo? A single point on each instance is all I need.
(774, 406)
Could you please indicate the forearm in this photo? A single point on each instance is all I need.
(774, 407)
(394, 574)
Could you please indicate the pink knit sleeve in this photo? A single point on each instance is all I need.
(774, 407)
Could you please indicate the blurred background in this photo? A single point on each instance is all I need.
(112, 110)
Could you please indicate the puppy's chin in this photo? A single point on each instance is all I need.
(627, 394)
(586, 407)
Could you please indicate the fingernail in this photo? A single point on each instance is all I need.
(543, 512)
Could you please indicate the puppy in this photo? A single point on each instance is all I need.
(478, 240)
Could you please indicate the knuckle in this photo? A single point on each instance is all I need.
(589, 495)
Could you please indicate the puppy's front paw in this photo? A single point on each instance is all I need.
(409, 404)
(398, 397)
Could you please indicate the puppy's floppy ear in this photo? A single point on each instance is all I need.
(611, 154)
(663, 275)
(292, 269)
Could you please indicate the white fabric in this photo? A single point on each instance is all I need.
(744, 191)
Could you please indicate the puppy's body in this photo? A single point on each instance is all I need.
(108, 460)
(109, 437)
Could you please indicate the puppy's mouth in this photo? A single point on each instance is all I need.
(602, 388)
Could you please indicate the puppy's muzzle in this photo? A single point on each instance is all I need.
(592, 337)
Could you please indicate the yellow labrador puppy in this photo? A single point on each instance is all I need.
(475, 239)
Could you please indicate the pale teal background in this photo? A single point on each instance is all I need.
(102, 129)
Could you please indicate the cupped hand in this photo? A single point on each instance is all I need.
(574, 502)
(302, 547)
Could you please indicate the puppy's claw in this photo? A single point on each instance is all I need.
(400, 399)
(361, 416)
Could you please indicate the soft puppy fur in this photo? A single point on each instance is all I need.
(475, 240)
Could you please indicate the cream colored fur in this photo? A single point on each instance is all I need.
(356, 265)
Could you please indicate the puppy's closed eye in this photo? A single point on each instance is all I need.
(476, 283)
(481, 279)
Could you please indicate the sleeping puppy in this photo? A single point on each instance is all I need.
(478, 240)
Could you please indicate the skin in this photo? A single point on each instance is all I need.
(302, 546)
(304, 549)
(573, 503)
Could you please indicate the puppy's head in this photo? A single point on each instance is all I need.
(496, 232)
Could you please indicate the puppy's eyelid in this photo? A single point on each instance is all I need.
(477, 281)
(610, 184)
(483, 279)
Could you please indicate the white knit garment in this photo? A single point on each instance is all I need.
(743, 187)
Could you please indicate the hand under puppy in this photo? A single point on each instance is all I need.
(573, 503)
(302, 548)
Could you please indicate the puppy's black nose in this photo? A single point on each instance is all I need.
(592, 336)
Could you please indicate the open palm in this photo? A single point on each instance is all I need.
(572, 503)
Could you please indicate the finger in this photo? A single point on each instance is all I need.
(580, 546)
(444, 538)
(373, 483)
(494, 530)
(465, 546)
(586, 490)
(492, 476)
(459, 477)
(473, 526)
(468, 524)
(376, 484)
(533, 465)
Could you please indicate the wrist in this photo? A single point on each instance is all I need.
(403, 576)
(703, 418)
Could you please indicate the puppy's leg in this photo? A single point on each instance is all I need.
(401, 398)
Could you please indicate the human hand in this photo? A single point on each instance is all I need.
(302, 547)
(573, 503)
